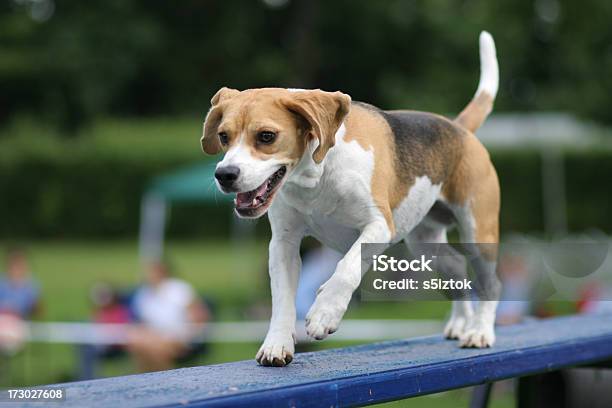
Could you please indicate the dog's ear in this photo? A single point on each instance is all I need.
(222, 95)
(324, 113)
(210, 141)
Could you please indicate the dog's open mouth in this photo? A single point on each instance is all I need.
(255, 202)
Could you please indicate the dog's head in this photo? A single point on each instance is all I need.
(264, 133)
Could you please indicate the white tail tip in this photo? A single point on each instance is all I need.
(489, 70)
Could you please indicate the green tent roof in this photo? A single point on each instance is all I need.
(189, 184)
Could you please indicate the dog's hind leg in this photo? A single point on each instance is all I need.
(472, 194)
(450, 265)
(479, 236)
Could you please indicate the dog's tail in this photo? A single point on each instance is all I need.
(481, 105)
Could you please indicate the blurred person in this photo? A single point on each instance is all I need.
(165, 307)
(318, 266)
(514, 304)
(19, 292)
(594, 298)
(12, 334)
(109, 308)
(108, 305)
(19, 300)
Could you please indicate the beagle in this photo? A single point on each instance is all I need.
(349, 173)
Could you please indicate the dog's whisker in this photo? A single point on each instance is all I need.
(213, 186)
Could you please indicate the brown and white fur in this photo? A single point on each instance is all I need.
(348, 173)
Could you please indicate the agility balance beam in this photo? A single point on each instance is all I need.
(361, 375)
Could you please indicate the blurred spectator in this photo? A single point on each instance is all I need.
(109, 308)
(514, 304)
(318, 266)
(19, 300)
(12, 334)
(19, 293)
(594, 298)
(166, 307)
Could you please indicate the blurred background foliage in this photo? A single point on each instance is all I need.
(95, 193)
(98, 97)
(67, 62)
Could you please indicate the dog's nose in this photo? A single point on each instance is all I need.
(227, 175)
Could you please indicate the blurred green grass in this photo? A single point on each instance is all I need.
(67, 270)
(234, 276)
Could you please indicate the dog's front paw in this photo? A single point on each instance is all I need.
(455, 327)
(478, 335)
(322, 322)
(324, 317)
(277, 350)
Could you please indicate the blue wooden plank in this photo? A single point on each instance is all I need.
(360, 375)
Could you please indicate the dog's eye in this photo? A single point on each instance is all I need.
(223, 138)
(266, 137)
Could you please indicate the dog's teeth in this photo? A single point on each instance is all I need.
(235, 201)
(254, 203)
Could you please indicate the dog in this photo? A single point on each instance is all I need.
(349, 173)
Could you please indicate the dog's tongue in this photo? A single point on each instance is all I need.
(251, 198)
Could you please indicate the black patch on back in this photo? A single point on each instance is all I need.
(416, 128)
(425, 144)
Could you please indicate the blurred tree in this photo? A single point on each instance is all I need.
(68, 61)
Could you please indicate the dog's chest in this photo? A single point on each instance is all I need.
(331, 233)
(333, 213)
(339, 204)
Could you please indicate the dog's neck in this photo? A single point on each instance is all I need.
(308, 173)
